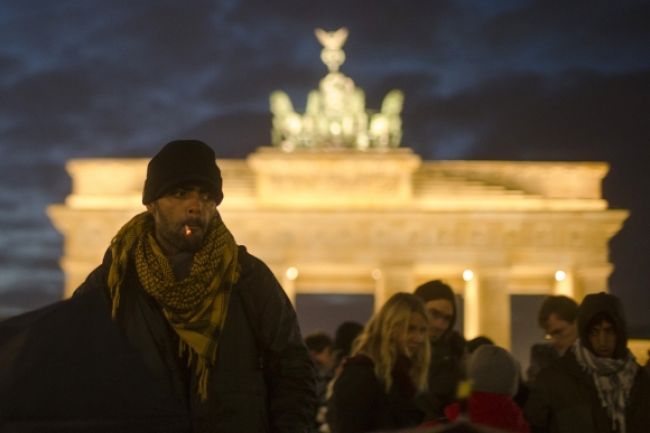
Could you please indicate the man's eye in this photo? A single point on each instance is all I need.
(178, 193)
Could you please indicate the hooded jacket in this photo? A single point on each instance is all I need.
(610, 306)
(564, 398)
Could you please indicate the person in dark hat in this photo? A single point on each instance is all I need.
(209, 319)
(597, 386)
(447, 347)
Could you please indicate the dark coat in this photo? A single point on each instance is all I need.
(564, 397)
(66, 368)
(360, 403)
(263, 380)
(445, 372)
(565, 400)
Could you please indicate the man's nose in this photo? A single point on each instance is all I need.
(440, 323)
(194, 203)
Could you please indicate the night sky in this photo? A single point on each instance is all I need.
(514, 80)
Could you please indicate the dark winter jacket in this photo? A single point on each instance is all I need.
(360, 403)
(564, 398)
(445, 371)
(263, 380)
(66, 368)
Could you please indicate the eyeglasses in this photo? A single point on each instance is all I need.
(557, 334)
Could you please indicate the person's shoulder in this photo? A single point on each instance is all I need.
(357, 369)
(250, 263)
(97, 279)
(359, 359)
(255, 278)
(560, 369)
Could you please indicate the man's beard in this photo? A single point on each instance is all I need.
(174, 234)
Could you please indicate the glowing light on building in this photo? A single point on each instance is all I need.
(471, 323)
(292, 273)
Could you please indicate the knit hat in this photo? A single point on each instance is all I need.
(178, 162)
(493, 369)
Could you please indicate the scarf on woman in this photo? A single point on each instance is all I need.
(613, 379)
(195, 306)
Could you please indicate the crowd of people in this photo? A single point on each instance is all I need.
(180, 329)
(583, 379)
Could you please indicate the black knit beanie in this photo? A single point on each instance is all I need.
(179, 162)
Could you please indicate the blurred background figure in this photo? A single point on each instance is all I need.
(477, 342)
(321, 351)
(597, 386)
(493, 374)
(447, 348)
(343, 339)
(557, 317)
(378, 383)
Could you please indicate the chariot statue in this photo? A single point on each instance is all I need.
(335, 114)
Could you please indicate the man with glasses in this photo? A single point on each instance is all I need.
(447, 347)
(596, 386)
(557, 317)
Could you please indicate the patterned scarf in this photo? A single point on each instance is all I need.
(613, 379)
(196, 306)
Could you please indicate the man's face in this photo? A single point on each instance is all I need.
(441, 311)
(324, 360)
(602, 339)
(182, 217)
(560, 333)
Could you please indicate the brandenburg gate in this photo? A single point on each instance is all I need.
(336, 205)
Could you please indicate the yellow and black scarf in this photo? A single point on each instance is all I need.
(196, 306)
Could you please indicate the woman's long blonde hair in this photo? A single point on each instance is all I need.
(379, 339)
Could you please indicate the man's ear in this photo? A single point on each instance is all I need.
(150, 207)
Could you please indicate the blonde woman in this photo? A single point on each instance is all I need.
(387, 368)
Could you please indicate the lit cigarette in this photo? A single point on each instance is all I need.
(188, 231)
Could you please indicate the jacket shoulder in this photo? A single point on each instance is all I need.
(97, 280)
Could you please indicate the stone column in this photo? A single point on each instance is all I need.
(494, 306)
(395, 278)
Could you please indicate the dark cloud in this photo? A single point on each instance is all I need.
(600, 35)
(575, 115)
(234, 134)
(514, 80)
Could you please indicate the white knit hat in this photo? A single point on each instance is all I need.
(493, 369)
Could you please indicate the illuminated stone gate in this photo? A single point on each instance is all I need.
(350, 212)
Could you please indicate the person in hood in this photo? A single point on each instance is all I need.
(447, 347)
(597, 386)
(208, 319)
